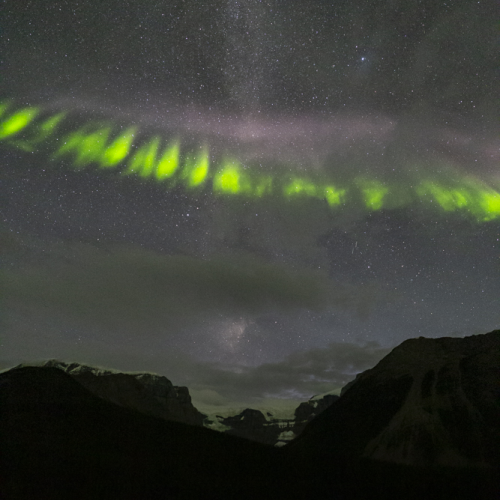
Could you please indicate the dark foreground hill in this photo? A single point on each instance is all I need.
(424, 423)
(59, 441)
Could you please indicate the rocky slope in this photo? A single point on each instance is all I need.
(148, 393)
(308, 410)
(451, 406)
(432, 405)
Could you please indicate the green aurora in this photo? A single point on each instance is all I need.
(106, 146)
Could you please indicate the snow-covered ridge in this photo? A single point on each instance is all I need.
(269, 425)
(148, 393)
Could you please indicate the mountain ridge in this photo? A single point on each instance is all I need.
(423, 423)
(442, 393)
(155, 395)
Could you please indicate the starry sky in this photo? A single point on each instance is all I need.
(362, 140)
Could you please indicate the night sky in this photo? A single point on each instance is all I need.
(272, 286)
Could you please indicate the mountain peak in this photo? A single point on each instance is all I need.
(146, 392)
(429, 402)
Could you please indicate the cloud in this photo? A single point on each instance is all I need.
(208, 397)
(300, 375)
(128, 287)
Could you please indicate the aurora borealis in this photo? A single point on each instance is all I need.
(256, 199)
(95, 145)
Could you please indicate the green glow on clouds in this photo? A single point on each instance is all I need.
(16, 122)
(144, 161)
(228, 179)
(333, 195)
(479, 200)
(300, 187)
(118, 150)
(373, 193)
(102, 146)
(491, 203)
(40, 133)
(169, 162)
(196, 169)
(88, 147)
